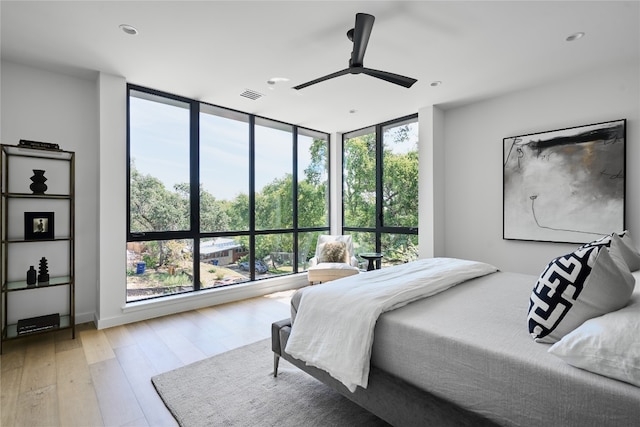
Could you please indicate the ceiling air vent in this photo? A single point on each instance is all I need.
(251, 94)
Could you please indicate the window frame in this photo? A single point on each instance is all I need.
(380, 228)
(194, 232)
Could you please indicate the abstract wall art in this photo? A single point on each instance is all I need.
(565, 185)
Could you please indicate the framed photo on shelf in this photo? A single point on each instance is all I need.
(38, 225)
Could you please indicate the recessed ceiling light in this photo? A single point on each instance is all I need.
(575, 36)
(275, 80)
(436, 83)
(129, 29)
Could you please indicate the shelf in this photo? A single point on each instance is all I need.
(38, 153)
(21, 285)
(60, 199)
(57, 239)
(37, 196)
(11, 331)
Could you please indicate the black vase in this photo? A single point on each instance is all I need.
(31, 276)
(38, 186)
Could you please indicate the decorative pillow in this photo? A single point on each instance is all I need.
(575, 287)
(622, 244)
(604, 241)
(335, 251)
(607, 345)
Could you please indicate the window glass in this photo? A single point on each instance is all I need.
(159, 163)
(359, 179)
(273, 175)
(399, 248)
(363, 242)
(224, 261)
(400, 175)
(159, 267)
(224, 170)
(307, 243)
(274, 255)
(313, 182)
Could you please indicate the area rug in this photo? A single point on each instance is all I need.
(237, 388)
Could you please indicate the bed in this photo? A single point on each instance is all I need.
(464, 356)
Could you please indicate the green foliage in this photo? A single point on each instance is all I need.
(150, 260)
(153, 207)
(359, 188)
(400, 189)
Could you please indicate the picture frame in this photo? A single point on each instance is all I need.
(566, 185)
(39, 225)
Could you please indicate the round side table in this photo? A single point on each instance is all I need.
(371, 257)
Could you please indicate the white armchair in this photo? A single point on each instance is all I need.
(334, 259)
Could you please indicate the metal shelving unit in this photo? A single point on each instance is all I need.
(14, 199)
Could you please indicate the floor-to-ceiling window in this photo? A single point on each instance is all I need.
(218, 197)
(380, 189)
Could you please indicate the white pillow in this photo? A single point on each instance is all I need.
(622, 244)
(608, 345)
(576, 287)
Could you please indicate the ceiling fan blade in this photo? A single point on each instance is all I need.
(321, 79)
(390, 77)
(361, 33)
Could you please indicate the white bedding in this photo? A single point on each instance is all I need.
(335, 322)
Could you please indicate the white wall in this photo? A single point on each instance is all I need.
(473, 157)
(43, 106)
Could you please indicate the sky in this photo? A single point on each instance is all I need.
(160, 147)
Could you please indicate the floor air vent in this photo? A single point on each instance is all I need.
(251, 94)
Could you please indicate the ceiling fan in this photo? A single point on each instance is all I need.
(359, 35)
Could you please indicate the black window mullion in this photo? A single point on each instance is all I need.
(128, 163)
(294, 202)
(379, 195)
(252, 197)
(194, 189)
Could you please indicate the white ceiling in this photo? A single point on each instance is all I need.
(215, 50)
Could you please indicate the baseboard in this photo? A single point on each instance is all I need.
(143, 310)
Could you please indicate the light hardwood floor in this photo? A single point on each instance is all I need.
(103, 377)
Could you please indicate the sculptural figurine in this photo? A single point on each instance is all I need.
(38, 186)
(43, 273)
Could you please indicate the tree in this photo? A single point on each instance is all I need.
(213, 214)
(153, 207)
(400, 180)
(359, 191)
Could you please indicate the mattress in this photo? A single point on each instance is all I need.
(470, 345)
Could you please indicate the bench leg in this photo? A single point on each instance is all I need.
(276, 361)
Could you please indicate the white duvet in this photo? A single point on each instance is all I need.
(335, 322)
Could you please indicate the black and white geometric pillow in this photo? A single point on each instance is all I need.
(603, 241)
(576, 287)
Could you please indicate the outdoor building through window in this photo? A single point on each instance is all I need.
(380, 189)
(217, 197)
